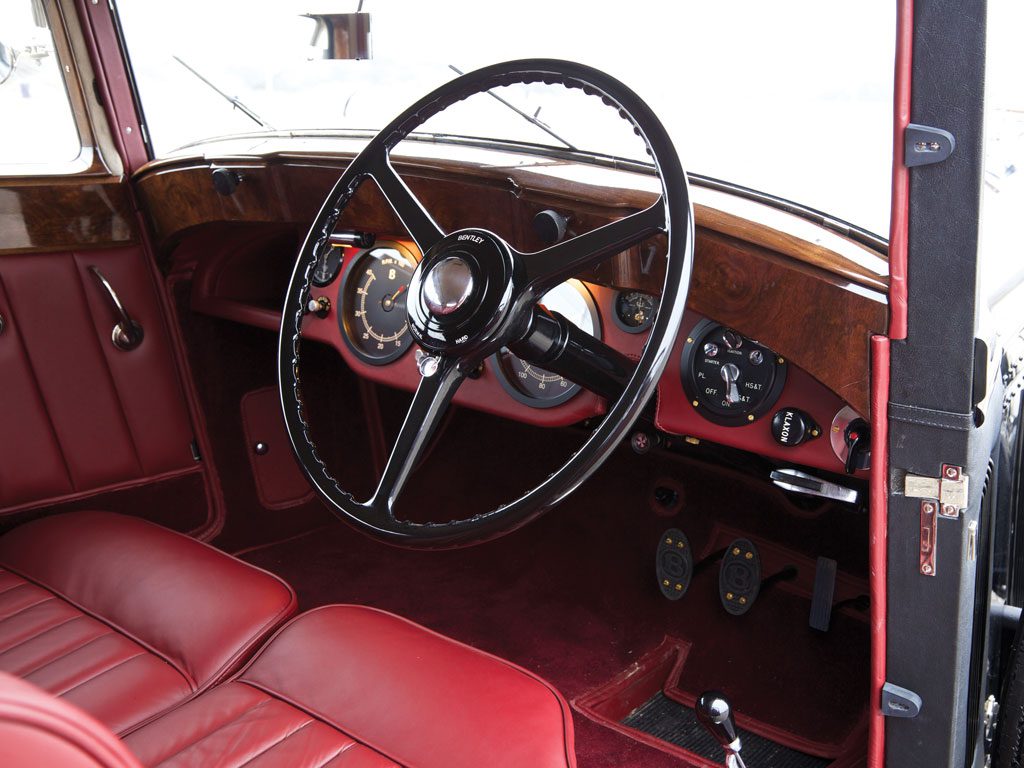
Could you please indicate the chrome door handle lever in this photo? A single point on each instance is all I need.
(127, 334)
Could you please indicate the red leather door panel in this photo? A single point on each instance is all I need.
(76, 413)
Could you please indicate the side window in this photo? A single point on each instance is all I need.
(1001, 269)
(38, 133)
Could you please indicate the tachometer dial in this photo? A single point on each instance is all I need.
(635, 311)
(327, 266)
(372, 298)
(535, 386)
(730, 379)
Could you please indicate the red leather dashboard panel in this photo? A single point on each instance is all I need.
(78, 414)
(677, 416)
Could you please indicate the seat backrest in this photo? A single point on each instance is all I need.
(199, 608)
(37, 729)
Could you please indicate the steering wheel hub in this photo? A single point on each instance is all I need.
(448, 284)
(461, 291)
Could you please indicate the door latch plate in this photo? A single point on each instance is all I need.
(924, 145)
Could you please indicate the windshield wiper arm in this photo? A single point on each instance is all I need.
(235, 101)
(532, 119)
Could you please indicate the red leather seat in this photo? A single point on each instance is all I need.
(353, 687)
(127, 619)
(143, 628)
(37, 729)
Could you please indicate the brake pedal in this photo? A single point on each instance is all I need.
(674, 564)
(739, 581)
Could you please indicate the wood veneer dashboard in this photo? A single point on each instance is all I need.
(810, 295)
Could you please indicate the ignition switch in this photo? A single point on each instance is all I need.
(858, 444)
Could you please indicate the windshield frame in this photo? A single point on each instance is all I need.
(835, 224)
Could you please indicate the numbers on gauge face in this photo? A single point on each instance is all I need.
(635, 311)
(730, 379)
(535, 386)
(372, 297)
(327, 266)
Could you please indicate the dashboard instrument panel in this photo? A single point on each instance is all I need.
(749, 262)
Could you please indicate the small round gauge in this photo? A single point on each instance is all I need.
(635, 310)
(535, 386)
(327, 266)
(372, 299)
(730, 379)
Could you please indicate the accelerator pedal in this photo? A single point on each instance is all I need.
(739, 581)
(674, 564)
(824, 591)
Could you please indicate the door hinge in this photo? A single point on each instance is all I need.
(943, 496)
(949, 489)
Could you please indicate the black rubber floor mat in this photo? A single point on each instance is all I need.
(676, 724)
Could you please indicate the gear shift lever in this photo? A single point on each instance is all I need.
(715, 713)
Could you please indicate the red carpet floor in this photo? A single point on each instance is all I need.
(573, 596)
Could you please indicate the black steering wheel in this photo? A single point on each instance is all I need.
(472, 293)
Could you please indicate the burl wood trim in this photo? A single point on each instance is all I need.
(816, 307)
(65, 214)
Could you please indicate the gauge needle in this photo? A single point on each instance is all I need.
(731, 374)
(389, 301)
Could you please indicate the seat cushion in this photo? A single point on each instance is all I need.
(38, 730)
(127, 619)
(353, 687)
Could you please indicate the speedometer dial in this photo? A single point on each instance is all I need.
(730, 379)
(372, 299)
(535, 386)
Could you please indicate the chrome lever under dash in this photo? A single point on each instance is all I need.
(795, 481)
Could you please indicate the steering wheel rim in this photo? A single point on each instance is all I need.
(500, 316)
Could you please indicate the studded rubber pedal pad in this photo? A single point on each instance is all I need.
(674, 564)
(739, 581)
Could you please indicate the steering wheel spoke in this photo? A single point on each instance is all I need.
(551, 266)
(420, 224)
(429, 405)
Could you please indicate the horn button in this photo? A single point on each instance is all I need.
(460, 292)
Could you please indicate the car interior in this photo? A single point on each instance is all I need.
(377, 451)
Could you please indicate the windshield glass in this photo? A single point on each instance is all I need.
(793, 99)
